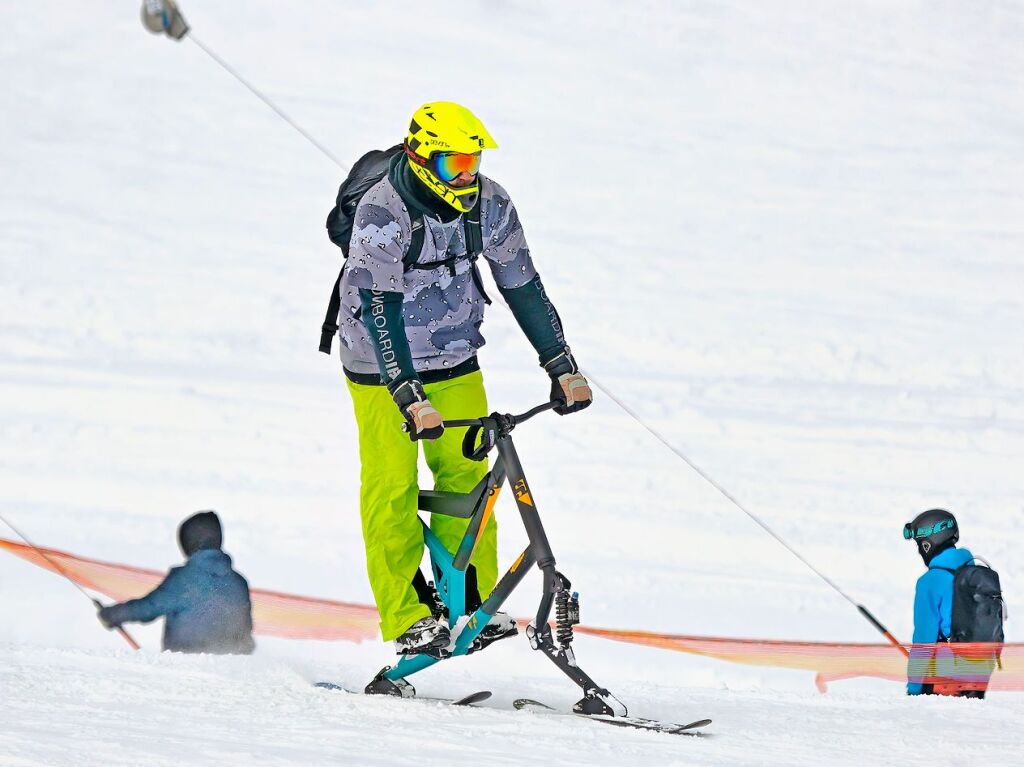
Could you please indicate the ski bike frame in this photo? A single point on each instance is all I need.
(450, 570)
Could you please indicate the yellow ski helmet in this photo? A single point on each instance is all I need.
(444, 140)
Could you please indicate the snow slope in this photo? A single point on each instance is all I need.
(789, 236)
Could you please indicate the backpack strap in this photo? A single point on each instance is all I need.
(412, 255)
(474, 231)
(474, 234)
(330, 326)
(479, 282)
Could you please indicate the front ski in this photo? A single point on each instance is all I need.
(634, 722)
(469, 700)
(473, 698)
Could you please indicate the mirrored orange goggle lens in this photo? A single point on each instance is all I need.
(449, 165)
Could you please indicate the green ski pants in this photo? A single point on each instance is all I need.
(389, 488)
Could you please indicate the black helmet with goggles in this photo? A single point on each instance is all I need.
(933, 531)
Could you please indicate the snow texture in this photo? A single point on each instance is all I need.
(788, 235)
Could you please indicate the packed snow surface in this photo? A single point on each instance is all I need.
(788, 236)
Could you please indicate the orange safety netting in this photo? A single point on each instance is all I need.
(296, 617)
(830, 661)
(273, 613)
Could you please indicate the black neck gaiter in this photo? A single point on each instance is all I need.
(421, 201)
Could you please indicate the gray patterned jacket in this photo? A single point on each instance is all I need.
(442, 311)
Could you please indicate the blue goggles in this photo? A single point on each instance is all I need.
(910, 534)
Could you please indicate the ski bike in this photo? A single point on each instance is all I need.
(449, 569)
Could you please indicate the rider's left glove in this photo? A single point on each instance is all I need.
(568, 386)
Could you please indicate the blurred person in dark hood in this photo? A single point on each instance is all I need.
(205, 603)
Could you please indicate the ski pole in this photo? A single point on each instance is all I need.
(124, 634)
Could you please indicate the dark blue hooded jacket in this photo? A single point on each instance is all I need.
(205, 603)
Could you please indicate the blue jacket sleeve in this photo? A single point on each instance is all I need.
(926, 632)
(160, 601)
(382, 315)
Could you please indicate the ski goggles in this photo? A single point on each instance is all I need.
(448, 166)
(911, 533)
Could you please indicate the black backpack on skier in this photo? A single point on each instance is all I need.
(978, 606)
(367, 171)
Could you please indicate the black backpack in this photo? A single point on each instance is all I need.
(367, 171)
(978, 606)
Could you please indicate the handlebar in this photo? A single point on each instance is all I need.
(510, 419)
(493, 428)
(490, 429)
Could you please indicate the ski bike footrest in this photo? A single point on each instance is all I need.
(381, 685)
(597, 702)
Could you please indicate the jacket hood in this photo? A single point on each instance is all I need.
(951, 558)
(213, 561)
(200, 531)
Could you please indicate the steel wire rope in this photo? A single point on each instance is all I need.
(266, 100)
(711, 481)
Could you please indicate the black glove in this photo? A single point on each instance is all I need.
(424, 422)
(103, 613)
(568, 385)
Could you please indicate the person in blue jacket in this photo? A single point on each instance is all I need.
(936, 533)
(205, 603)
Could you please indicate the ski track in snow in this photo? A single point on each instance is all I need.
(788, 237)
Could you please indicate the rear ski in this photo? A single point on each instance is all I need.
(633, 722)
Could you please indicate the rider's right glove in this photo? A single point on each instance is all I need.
(567, 383)
(424, 421)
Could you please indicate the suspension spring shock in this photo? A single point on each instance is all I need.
(567, 614)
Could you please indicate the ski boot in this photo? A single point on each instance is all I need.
(500, 626)
(425, 637)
